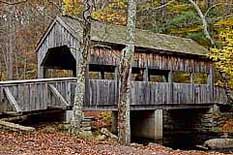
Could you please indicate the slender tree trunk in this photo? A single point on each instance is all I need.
(124, 77)
(10, 56)
(163, 9)
(81, 68)
(204, 22)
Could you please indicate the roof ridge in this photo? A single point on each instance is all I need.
(123, 26)
(144, 30)
(115, 34)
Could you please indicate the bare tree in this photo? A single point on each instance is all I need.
(125, 70)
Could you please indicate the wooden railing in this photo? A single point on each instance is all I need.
(104, 93)
(34, 95)
(40, 94)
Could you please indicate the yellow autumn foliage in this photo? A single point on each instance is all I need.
(72, 7)
(223, 56)
(114, 12)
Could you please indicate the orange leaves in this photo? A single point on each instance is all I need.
(228, 126)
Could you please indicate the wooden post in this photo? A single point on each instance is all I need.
(146, 74)
(102, 74)
(116, 73)
(116, 78)
(74, 72)
(87, 86)
(170, 91)
(192, 88)
(165, 78)
(210, 83)
(42, 72)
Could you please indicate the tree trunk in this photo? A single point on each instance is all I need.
(163, 9)
(81, 68)
(124, 78)
(204, 22)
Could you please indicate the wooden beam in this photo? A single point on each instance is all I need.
(170, 91)
(15, 127)
(102, 74)
(116, 73)
(210, 82)
(58, 95)
(146, 74)
(192, 87)
(12, 100)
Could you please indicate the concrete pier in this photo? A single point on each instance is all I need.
(147, 124)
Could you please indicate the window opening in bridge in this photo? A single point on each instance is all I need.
(181, 77)
(101, 72)
(109, 75)
(158, 75)
(200, 78)
(94, 75)
(56, 73)
(137, 74)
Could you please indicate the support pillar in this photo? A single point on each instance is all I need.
(147, 124)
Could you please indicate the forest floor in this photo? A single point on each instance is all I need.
(49, 140)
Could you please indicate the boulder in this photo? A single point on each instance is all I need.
(100, 138)
(107, 133)
(219, 143)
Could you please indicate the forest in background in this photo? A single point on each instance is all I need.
(23, 24)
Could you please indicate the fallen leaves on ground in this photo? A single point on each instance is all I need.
(61, 143)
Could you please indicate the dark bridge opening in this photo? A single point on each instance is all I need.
(59, 58)
(59, 62)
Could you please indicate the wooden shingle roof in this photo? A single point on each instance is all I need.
(115, 34)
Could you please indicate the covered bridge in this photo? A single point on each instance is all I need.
(159, 59)
(171, 75)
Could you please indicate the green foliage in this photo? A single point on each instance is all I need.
(199, 37)
(184, 19)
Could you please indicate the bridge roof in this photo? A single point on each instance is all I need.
(116, 34)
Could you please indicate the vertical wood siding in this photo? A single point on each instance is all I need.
(104, 93)
(104, 56)
(34, 95)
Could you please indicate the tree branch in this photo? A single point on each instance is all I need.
(214, 6)
(159, 7)
(164, 5)
(204, 22)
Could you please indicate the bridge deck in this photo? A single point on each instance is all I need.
(41, 94)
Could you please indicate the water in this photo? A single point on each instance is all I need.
(183, 141)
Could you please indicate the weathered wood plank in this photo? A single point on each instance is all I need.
(58, 95)
(11, 100)
(40, 94)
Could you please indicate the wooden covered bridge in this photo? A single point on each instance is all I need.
(157, 59)
(168, 73)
